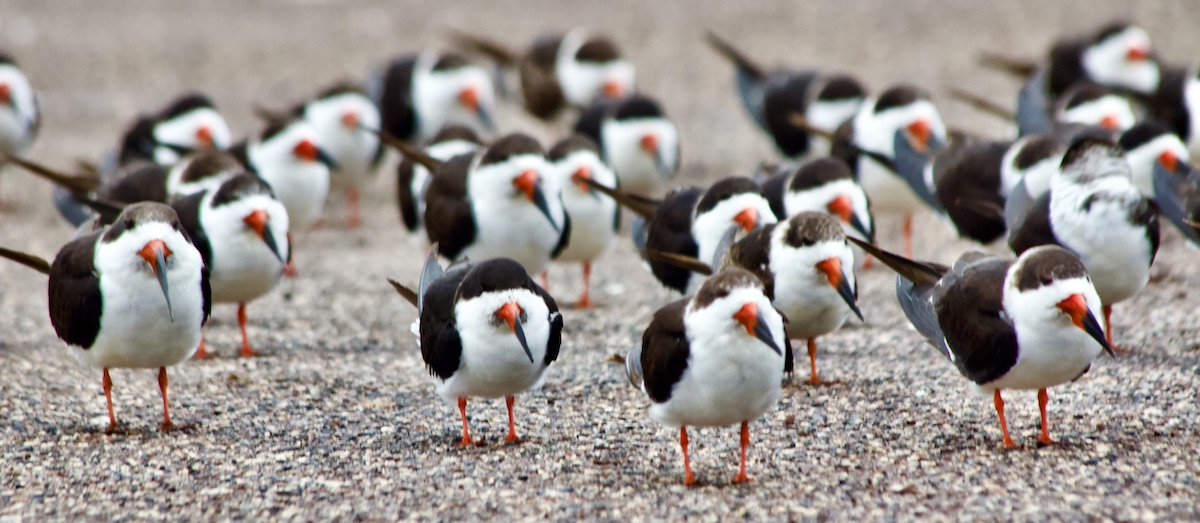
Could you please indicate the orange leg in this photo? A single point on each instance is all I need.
(112, 418)
(512, 425)
(741, 476)
(999, 402)
(247, 350)
(868, 262)
(688, 478)
(813, 379)
(1107, 309)
(355, 218)
(162, 387)
(462, 409)
(289, 269)
(1043, 399)
(585, 301)
(201, 353)
(908, 236)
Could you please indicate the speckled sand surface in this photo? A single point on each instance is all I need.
(337, 419)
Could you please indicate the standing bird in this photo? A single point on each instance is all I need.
(486, 330)
(822, 185)
(20, 117)
(562, 71)
(419, 94)
(867, 143)
(638, 141)
(712, 360)
(595, 219)
(1094, 210)
(339, 115)
(1147, 146)
(1177, 193)
(772, 97)
(132, 295)
(240, 230)
(492, 204)
(289, 158)
(1024, 324)
(412, 178)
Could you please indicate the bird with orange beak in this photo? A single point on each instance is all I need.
(637, 140)
(486, 330)
(595, 219)
(713, 360)
(19, 114)
(132, 295)
(422, 93)
(341, 116)
(867, 143)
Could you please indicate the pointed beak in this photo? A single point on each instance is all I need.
(1169, 161)
(1076, 307)
(918, 134)
(469, 98)
(747, 219)
(204, 137)
(511, 314)
(580, 178)
(350, 120)
(614, 89)
(832, 268)
(155, 253)
(257, 221)
(528, 184)
(306, 150)
(1111, 122)
(649, 145)
(1137, 54)
(6, 95)
(756, 326)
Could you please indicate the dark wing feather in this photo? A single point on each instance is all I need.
(969, 190)
(970, 310)
(1179, 200)
(670, 230)
(441, 347)
(448, 218)
(786, 94)
(665, 351)
(774, 188)
(1035, 229)
(188, 209)
(556, 323)
(753, 253)
(74, 292)
(395, 99)
(1145, 213)
(144, 183)
(206, 294)
(542, 94)
(405, 199)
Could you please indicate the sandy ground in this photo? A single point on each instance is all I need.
(337, 418)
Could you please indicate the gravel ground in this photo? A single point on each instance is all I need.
(337, 419)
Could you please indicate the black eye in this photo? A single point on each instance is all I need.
(1047, 281)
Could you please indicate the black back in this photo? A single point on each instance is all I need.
(971, 315)
(448, 218)
(74, 292)
(670, 230)
(1035, 229)
(398, 118)
(145, 182)
(665, 351)
(969, 190)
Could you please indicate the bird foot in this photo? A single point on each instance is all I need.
(1045, 441)
(742, 478)
(248, 352)
(166, 426)
(689, 480)
(289, 270)
(585, 303)
(512, 437)
(816, 381)
(1008, 444)
(113, 428)
(353, 222)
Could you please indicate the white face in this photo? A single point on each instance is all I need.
(636, 166)
(818, 199)
(828, 116)
(565, 169)
(492, 192)
(490, 347)
(243, 265)
(1143, 159)
(300, 181)
(583, 82)
(444, 97)
(337, 119)
(710, 227)
(18, 119)
(1121, 61)
(877, 131)
(1042, 328)
(1037, 176)
(1111, 112)
(188, 130)
(716, 322)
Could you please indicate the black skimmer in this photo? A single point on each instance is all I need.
(486, 331)
(1033, 161)
(595, 219)
(639, 142)
(899, 113)
(1147, 146)
(289, 156)
(1094, 210)
(132, 295)
(420, 94)
(1090, 104)
(1176, 103)
(1024, 324)
(822, 185)
(1117, 55)
(562, 70)
(1177, 193)
(339, 115)
(189, 123)
(20, 117)
(241, 231)
(412, 178)
(492, 204)
(772, 97)
(713, 360)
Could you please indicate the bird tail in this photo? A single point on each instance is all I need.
(641, 205)
(497, 51)
(77, 184)
(29, 260)
(729, 52)
(1019, 67)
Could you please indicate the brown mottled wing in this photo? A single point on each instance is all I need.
(665, 351)
(539, 84)
(448, 219)
(977, 332)
(74, 292)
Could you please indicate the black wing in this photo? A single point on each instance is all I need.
(188, 209)
(146, 182)
(564, 236)
(969, 190)
(556, 323)
(670, 230)
(978, 335)
(74, 292)
(786, 94)
(448, 219)
(441, 347)
(753, 253)
(405, 198)
(1035, 229)
(1178, 198)
(395, 99)
(665, 351)
(540, 90)
(774, 188)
